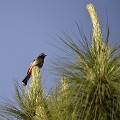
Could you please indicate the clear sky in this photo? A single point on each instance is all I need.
(24, 29)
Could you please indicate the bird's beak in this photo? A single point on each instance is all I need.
(45, 55)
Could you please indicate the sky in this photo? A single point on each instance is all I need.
(26, 27)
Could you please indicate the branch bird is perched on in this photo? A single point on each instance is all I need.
(36, 62)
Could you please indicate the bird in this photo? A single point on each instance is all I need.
(39, 61)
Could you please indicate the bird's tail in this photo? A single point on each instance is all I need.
(24, 82)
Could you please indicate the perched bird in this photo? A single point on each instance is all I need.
(36, 62)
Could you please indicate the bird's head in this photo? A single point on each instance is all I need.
(42, 55)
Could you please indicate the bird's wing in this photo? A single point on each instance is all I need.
(37, 61)
(31, 65)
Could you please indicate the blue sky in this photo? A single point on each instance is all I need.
(24, 29)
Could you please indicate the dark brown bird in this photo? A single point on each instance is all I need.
(36, 62)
